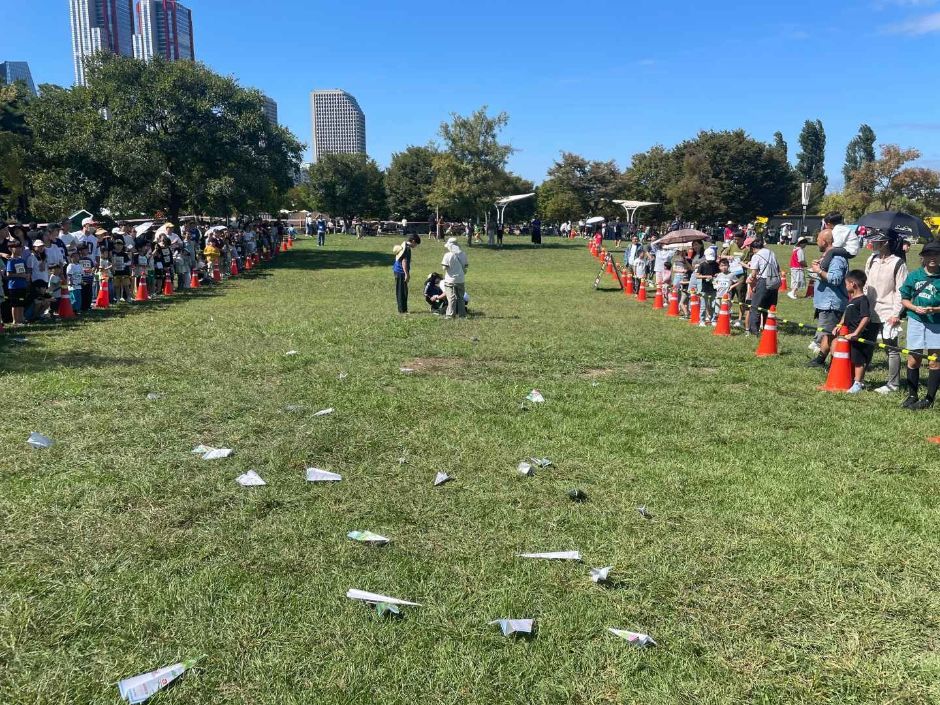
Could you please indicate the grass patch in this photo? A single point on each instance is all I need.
(791, 558)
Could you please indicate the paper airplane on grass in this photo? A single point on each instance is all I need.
(325, 412)
(210, 453)
(600, 575)
(535, 396)
(406, 370)
(644, 512)
(383, 609)
(514, 626)
(367, 537)
(577, 495)
(541, 462)
(37, 440)
(554, 556)
(525, 468)
(634, 638)
(250, 479)
(342, 375)
(441, 478)
(375, 598)
(293, 408)
(291, 352)
(318, 475)
(153, 396)
(140, 688)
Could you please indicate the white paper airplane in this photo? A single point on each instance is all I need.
(342, 375)
(37, 440)
(250, 479)
(554, 556)
(634, 638)
(514, 626)
(375, 598)
(317, 475)
(291, 352)
(367, 537)
(153, 396)
(140, 688)
(201, 450)
(441, 478)
(325, 412)
(600, 575)
(535, 396)
(293, 408)
(525, 468)
(644, 512)
(541, 462)
(217, 453)
(406, 370)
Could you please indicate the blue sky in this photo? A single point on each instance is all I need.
(602, 79)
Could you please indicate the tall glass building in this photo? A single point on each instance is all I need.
(339, 125)
(100, 25)
(13, 71)
(164, 28)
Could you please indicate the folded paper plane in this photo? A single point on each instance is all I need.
(290, 353)
(535, 396)
(325, 412)
(644, 512)
(514, 626)
(406, 370)
(541, 462)
(554, 556)
(441, 478)
(376, 599)
(600, 575)
(153, 396)
(37, 440)
(577, 495)
(525, 468)
(250, 479)
(367, 537)
(634, 638)
(140, 688)
(384, 609)
(318, 475)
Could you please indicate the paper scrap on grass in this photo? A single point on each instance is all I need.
(383, 609)
(634, 638)
(140, 688)
(514, 626)
(153, 396)
(250, 479)
(325, 412)
(600, 575)
(535, 396)
(406, 370)
(293, 408)
(644, 512)
(291, 352)
(376, 599)
(525, 468)
(210, 453)
(342, 375)
(541, 462)
(554, 555)
(577, 495)
(37, 440)
(318, 475)
(441, 478)
(367, 537)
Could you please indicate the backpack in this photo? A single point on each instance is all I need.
(846, 237)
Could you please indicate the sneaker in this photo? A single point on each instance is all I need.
(816, 362)
(814, 347)
(714, 323)
(702, 324)
(909, 402)
(855, 388)
(736, 324)
(886, 389)
(924, 403)
(791, 295)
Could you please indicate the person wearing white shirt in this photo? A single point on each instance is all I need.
(455, 267)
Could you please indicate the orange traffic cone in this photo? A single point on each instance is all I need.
(658, 301)
(104, 296)
(167, 286)
(724, 317)
(142, 293)
(768, 339)
(810, 289)
(216, 273)
(673, 311)
(627, 284)
(194, 280)
(641, 291)
(783, 281)
(840, 370)
(249, 264)
(283, 245)
(695, 308)
(610, 265)
(234, 268)
(65, 305)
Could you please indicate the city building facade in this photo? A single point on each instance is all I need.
(339, 125)
(270, 109)
(100, 26)
(13, 71)
(164, 28)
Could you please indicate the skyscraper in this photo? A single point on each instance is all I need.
(164, 28)
(100, 25)
(339, 125)
(13, 71)
(270, 109)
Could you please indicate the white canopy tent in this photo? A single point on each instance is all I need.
(501, 204)
(631, 207)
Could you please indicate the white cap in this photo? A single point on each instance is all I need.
(89, 221)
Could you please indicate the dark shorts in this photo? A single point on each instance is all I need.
(18, 298)
(860, 353)
(828, 320)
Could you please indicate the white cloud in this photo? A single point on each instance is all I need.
(917, 26)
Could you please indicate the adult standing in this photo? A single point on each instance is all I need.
(455, 267)
(308, 225)
(886, 274)
(402, 270)
(618, 232)
(321, 232)
(765, 278)
(920, 295)
(797, 267)
(536, 231)
(830, 297)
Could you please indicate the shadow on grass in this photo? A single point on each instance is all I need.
(333, 259)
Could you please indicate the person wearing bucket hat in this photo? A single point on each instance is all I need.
(920, 295)
(886, 273)
(455, 267)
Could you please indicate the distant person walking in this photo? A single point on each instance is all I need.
(536, 232)
(308, 225)
(455, 268)
(321, 232)
(402, 270)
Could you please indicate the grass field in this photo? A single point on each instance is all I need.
(792, 557)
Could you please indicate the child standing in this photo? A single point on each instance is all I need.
(707, 271)
(797, 267)
(122, 271)
(87, 261)
(55, 288)
(857, 317)
(73, 275)
(640, 269)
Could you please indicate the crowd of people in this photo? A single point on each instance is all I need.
(42, 265)
(864, 299)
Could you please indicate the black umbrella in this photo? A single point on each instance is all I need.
(901, 224)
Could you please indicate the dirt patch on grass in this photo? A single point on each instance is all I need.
(435, 365)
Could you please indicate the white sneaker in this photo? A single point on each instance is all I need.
(736, 324)
(855, 388)
(886, 389)
(702, 324)
(814, 347)
(791, 295)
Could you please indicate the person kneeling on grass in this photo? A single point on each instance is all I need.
(862, 321)
(434, 294)
(920, 295)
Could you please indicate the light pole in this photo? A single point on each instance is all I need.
(806, 187)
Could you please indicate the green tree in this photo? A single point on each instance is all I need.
(346, 185)
(781, 147)
(15, 144)
(408, 183)
(593, 185)
(468, 172)
(811, 161)
(649, 178)
(889, 181)
(860, 151)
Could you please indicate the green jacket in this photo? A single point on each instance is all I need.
(922, 289)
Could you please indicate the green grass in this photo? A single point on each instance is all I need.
(792, 558)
